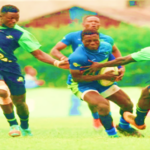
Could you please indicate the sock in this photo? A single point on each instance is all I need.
(24, 121)
(123, 124)
(106, 121)
(95, 115)
(11, 119)
(111, 131)
(141, 114)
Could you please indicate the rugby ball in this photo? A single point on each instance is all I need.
(105, 70)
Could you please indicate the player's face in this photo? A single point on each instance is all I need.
(91, 41)
(9, 19)
(91, 22)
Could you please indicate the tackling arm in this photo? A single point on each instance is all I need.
(118, 61)
(79, 77)
(56, 50)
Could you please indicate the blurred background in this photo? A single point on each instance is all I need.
(126, 21)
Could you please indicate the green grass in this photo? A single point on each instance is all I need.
(55, 130)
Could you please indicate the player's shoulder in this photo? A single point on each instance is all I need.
(105, 46)
(78, 53)
(17, 27)
(106, 38)
(73, 34)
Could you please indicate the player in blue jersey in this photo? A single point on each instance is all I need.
(74, 39)
(90, 90)
(143, 105)
(12, 82)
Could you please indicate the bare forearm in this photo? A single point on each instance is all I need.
(44, 57)
(88, 78)
(56, 53)
(118, 61)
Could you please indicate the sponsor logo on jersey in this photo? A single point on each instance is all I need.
(76, 64)
(9, 37)
(20, 79)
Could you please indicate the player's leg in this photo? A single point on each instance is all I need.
(92, 97)
(122, 100)
(96, 121)
(18, 95)
(143, 106)
(7, 107)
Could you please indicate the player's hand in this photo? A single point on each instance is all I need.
(64, 64)
(110, 76)
(121, 73)
(64, 58)
(95, 66)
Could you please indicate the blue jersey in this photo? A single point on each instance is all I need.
(74, 39)
(81, 56)
(10, 40)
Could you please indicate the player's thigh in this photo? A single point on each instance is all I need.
(94, 98)
(15, 82)
(121, 99)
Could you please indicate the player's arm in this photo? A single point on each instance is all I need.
(66, 41)
(44, 57)
(30, 43)
(77, 60)
(79, 77)
(56, 50)
(116, 62)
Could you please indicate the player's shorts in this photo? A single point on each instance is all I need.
(80, 91)
(15, 83)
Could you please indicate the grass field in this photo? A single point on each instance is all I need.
(54, 129)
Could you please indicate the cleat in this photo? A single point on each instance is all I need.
(97, 124)
(114, 136)
(129, 117)
(26, 132)
(129, 132)
(14, 131)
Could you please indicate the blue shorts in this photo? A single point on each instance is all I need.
(105, 91)
(15, 83)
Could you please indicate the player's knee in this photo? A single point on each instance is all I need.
(4, 93)
(103, 109)
(18, 100)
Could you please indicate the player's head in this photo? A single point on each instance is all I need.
(90, 39)
(9, 15)
(91, 22)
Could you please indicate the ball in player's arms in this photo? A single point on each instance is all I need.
(105, 70)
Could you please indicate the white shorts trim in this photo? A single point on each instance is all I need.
(113, 89)
(83, 94)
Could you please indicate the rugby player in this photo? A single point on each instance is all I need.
(90, 90)
(143, 105)
(12, 82)
(74, 39)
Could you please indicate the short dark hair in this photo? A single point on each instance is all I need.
(87, 16)
(9, 8)
(88, 32)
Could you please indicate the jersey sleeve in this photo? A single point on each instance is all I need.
(67, 39)
(143, 54)
(29, 42)
(76, 61)
(107, 39)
